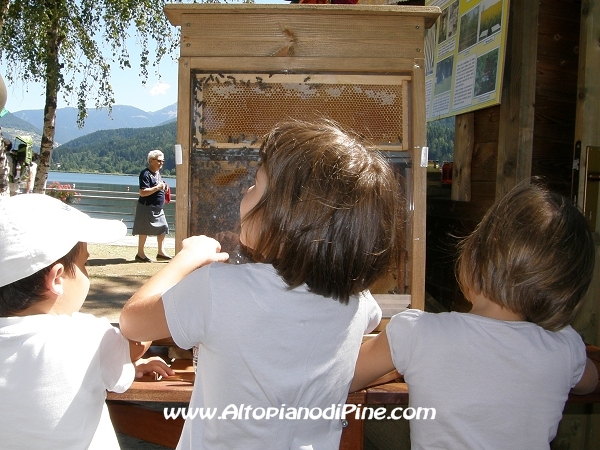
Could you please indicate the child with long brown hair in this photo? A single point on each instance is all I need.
(282, 334)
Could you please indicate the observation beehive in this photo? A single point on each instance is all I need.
(244, 68)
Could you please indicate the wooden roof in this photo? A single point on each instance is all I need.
(175, 12)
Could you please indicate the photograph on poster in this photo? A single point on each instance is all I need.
(443, 75)
(490, 22)
(430, 49)
(487, 71)
(452, 19)
(443, 21)
(468, 29)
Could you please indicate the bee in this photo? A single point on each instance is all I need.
(259, 79)
(221, 75)
(306, 79)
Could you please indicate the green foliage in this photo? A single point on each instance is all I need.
(122, 151)
(83, 39)
(440, 139)
(71, 46)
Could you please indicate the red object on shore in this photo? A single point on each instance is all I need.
(327, 2)
(447, 173)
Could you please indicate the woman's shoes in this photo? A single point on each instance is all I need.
(163, 257)
(145, 259)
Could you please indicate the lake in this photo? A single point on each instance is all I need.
(107, 196)
(100, 179)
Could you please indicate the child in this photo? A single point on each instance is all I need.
(499, 376)
(282, 333)
(55, 363)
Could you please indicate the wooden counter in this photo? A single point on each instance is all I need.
(130, 416)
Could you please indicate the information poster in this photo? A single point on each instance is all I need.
(464, 56)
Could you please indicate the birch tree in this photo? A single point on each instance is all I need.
(72, 46)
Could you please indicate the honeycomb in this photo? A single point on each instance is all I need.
(232, 113)
(240, 109)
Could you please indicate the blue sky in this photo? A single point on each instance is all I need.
(127, 85)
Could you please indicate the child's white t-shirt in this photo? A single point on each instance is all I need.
(265, 349)
(494, 384)
(54, 373)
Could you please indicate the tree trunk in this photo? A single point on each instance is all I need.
(4, 4)
(4, 190)
(48, 130)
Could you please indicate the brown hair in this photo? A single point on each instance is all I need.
(328, 216)
(533, 254)
(23, 293)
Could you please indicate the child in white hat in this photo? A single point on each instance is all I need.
(56, 363)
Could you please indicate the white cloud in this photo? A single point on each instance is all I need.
(159, 89)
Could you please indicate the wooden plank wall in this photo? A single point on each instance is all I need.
(556, 92)
(548, 144)
(580, 427)
(551, 142)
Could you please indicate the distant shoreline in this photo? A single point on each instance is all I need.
(104, 173)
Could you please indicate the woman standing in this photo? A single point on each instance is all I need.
(150, 218)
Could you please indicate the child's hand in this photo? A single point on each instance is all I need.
(201, 250)
(154, 364)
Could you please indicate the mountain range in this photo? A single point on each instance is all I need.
(30, 122)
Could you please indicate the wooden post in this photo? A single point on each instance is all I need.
(184, 109)
(464, 137)
(417, 286)
(517, 108)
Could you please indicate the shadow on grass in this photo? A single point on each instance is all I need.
(108, 262)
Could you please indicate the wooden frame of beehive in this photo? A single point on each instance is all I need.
(284, 58)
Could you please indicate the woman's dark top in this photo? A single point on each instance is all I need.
(148, 180)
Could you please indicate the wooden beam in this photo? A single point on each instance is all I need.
(588, 133)
(587, 130)
(184, 111)
(176, 12)
(464, 137)
(517, 107)
(419, 183)
(303, 65)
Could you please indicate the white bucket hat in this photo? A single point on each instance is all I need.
(37, 230)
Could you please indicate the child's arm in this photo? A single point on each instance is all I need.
(137, 349)
(588, 381)
(143, 316)
(374, 361)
